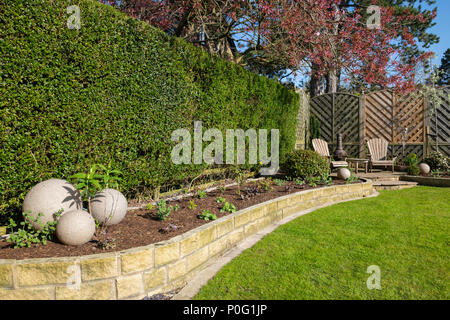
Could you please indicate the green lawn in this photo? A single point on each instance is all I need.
(325, 254)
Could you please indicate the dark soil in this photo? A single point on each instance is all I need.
(141, 227)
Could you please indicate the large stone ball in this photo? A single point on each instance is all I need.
(343, 173)
(109, 207)
(50, 196)
(424, 168)
(75, 228)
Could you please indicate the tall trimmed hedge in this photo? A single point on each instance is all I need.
(113, 90)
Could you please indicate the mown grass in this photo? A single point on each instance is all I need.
(325, 254)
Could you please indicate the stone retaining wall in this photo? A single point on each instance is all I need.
(428, 181)
(160, 267)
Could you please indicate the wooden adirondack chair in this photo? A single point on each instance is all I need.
(378, 153)
(321, 147)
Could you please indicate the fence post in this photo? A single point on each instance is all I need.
(394, 104)
(425, 128)
(362, 127)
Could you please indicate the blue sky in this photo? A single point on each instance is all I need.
(442, 29)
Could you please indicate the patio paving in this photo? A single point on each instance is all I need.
(386, 180)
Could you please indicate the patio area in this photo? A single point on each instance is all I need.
(385, 180)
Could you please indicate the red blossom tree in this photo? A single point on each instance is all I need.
(324, 38)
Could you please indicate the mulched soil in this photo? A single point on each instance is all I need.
(141, 227)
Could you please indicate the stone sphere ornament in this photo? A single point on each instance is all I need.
(75, 228)
(424, 168)
(50, 196)
(109, 207)
(343, 173)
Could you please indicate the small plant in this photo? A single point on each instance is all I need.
(352, 179)
(314, 181)
(207, 215)
(163, 211)
(239, 178)
(250, 192)
(176, 207)
(412, 162)
(97, 224)
(221, 200)
(192, 205)
(326, 179)
(280, 182)
(436, 173)
(289, 188)
(201, 194)
(149, 206)
(27, 235)
(221, 189)
(266, 184)
(228, 207)
(107, 244)
(110, 177)
(90, 182)
(299, 182)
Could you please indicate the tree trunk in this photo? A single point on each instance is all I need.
(332, 82)
(314, 83)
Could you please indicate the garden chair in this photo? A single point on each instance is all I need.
(378, 153)
(321, 147)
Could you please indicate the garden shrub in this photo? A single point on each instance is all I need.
(438, 161)
(114, 90)
(305, 164)
(412, 163)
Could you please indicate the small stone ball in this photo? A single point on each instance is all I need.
(424, 168)
(50, 196)
(75, 228)
(343, 173)
(109, 207)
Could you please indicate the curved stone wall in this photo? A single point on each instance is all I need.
(160, 267)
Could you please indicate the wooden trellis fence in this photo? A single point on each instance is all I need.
(339, 113)
(438, 123)
(403, 120)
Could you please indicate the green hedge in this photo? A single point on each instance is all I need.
(113, 90)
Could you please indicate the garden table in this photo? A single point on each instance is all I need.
(357, 161)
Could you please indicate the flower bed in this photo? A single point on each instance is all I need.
(158, 267)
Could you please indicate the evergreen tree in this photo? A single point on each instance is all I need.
(445, 69)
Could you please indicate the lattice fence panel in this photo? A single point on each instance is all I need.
(346, 117)
(378, 109)
(409, 113)
(442, 130)
(322, 109)
(352, 150)
(337, 113)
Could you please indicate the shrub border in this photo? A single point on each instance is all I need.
(156, 268)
